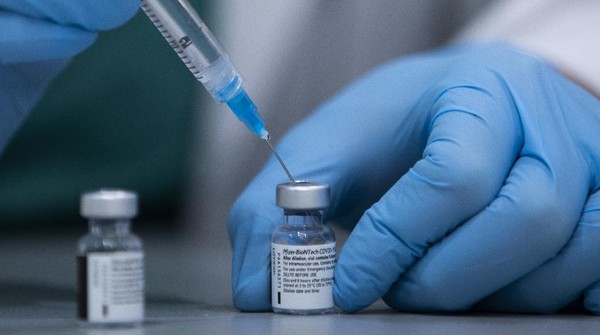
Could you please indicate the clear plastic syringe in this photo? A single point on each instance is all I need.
(198, 48)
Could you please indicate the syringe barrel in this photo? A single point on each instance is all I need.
(197, 47)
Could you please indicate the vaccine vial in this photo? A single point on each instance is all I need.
(110, 261)
(303, 252)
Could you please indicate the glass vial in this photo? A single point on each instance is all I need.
(302, 251)
(110, 261)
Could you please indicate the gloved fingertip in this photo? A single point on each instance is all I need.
(345, 305)
(592, 298)
(113, 14)
(32, 40)
(248, 306)
(79, 43)
(249, 298)
(69, 45)
(91, 15)
(346, 301)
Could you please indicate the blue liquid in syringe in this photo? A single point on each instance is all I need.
(246, 111)
(202, 54)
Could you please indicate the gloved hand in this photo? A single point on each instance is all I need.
(38, 37)
(472, 173)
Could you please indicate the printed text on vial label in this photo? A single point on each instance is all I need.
(115, 286)
(302, 276)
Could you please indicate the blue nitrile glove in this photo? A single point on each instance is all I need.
(37, 38)
(476, 169)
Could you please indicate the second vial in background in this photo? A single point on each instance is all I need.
(110, 261)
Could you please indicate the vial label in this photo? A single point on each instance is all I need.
(112, 285)
(302, 276)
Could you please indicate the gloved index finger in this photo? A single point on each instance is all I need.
(474, 138)
(87, 14)
(34, 40)
(43, 30)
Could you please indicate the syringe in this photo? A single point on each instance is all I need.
(200, 51)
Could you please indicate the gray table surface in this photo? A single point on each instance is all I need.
(188, 292)
(57, 317)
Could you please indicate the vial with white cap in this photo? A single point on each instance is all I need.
(303, 252)
(110, 260)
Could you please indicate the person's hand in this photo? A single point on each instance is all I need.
(474, 171)
(35, 30)
(38, 37)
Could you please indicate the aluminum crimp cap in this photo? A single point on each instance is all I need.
(109, 204)
(302, 195)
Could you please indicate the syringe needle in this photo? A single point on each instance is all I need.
(280, 160)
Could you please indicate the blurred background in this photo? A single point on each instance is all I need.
(128, 114)
(120, 115)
